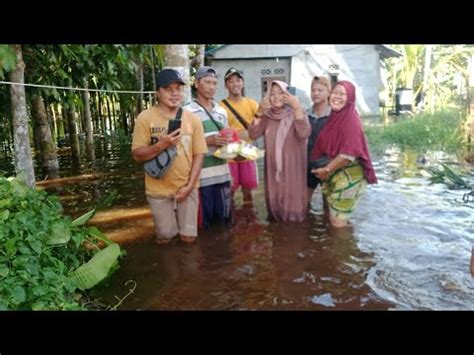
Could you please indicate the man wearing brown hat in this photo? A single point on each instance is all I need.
(240, 111)
(318, 114)
(173, 197)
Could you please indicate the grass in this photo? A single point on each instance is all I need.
(439, 131)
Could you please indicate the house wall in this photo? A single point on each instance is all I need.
(359, 64)
(254, 70)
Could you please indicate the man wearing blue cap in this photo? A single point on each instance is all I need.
(173, 197)
(215, 175)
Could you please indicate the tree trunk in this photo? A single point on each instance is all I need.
(114, 118)
(101, 117)
(65, 121)
(139, 97)
(49, 158)
(153, 65)
(109, 118)
(51, 120)
(198, 60)
(73, 138)
(123, 116)
(177, 57)
(88, 122)
(21, 139)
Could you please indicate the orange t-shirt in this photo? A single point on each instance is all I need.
(246, 108)
(151, 124)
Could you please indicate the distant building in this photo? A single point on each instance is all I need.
(297, 64)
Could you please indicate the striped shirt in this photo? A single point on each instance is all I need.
(214, 170)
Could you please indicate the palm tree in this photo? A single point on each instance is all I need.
(21, 139)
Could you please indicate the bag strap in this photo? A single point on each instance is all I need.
(168, 158)
(210, 116)
(236, 114)
(178, 114)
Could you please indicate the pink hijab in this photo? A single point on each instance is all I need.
(286, 117)
(343, 134)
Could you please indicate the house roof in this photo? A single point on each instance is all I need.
(291, 50)
(387, 52)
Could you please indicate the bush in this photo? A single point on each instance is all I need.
(41, 250)
(441, 130)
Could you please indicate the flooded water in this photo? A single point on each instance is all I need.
(409, 247)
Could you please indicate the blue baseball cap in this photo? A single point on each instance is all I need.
(168, 76)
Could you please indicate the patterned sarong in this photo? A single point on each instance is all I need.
(344, 189)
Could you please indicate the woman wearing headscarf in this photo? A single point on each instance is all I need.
(342, 140)
(286, 128)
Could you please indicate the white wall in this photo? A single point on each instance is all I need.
(252, 69)
(359, 64)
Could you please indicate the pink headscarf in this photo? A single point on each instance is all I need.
(286, 117)
(343, 134)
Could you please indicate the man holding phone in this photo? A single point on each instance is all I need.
(173, 198)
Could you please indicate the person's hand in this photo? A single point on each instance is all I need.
(291, 100)
(263, 106)
(182, 193)
(168, 140)
(321, 173)
(217, 140)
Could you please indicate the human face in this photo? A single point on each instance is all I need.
(234, 84)
(171, 95)
(276, 96)
(206, 87)
(338, 98)
(319, 93)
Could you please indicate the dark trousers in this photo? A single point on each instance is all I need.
(215, 203)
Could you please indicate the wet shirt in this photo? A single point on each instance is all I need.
(149, 127)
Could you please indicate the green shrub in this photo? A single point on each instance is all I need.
(41, 250)
(441, 130)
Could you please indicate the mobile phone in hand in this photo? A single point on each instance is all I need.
(173, 125)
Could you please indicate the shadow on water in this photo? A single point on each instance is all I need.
(409, 248)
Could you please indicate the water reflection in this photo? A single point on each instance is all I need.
(410, 247)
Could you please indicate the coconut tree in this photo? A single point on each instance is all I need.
(21, 139)
(176, 56)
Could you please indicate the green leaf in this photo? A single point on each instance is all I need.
(4, 215)
(7, 58)
(3, 270)
(94, 232)
(83, 219)
(10, 247)
(19, 295)
(37, 246)
(60, 234)
(5, 202)
(95, 270)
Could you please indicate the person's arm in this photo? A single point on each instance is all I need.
(216, 140)
(184, 191)
(302, 126)
(142, 154)
(337, 163)
(259, 124)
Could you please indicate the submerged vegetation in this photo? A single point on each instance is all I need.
(47, 259)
